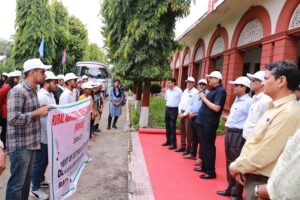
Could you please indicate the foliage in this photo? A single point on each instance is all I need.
(140, 36)
(155, 88)
(134, 116)
(221, 128)
(33, 22)
(77, 43)
(62, 35)
(93, 53)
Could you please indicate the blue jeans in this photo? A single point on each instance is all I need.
(18, 185)
(39, 166)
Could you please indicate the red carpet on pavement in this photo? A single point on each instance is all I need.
(174, 178)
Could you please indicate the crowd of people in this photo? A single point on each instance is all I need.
(24, 105)
(262, 130)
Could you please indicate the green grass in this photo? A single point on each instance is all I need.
(134, 118)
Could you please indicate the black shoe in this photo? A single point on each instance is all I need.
(199, 169)
(208, 176)
(114, 126)
(108, 127)
(180, 149)
(186, 152)
(172, 147)
(224, 193)
(165, 144)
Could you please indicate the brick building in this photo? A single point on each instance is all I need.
(238, 37)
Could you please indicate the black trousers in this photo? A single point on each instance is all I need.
(234, 143)
(207, 135)
(195, 139)
(170, 122)
(3, 132)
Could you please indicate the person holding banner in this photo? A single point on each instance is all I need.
(24, 129)
(46, 97)
(68, 96)
(116, 98)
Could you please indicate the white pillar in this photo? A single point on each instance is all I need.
(144, 117)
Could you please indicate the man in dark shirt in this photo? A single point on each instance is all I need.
(208, 120)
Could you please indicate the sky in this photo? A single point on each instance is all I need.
(88, 11)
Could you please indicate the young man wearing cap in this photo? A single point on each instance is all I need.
(24, 128)
(68, 96)
(173, 96)
(260, 102)
(268, 139)
(234, 140)
(208, 118)
(185, 126)
(46, 97)
(60, 89)
(192, 110)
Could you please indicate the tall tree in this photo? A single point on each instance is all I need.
(33, 22)
(140, 38)
(62, 35)
(93, 53)
(77, 42)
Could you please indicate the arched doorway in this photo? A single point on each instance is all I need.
(176, 68)
(198, 55)
(185, 67)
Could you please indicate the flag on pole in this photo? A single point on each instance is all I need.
(64, 58)
(41, 48)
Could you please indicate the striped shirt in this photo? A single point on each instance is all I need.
(23, 131)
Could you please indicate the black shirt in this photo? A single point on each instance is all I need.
(206, 116)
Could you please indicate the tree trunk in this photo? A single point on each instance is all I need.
(138, 97)
(144, 116)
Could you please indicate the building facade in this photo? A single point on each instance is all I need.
(238, 37)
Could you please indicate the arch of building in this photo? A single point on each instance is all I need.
(175, 69)
(184, 67)
(254, 12)
(196, 69)
(286, 15)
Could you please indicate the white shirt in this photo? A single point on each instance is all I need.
(258, 107)
(186, 100)
(67, 97)
(284, 181)
(173, 97)
(45, 98)
(239, 112)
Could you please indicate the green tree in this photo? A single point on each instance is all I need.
(93, 53)
(62, 35)
(140, 38)
(33, 22)
(77, 42)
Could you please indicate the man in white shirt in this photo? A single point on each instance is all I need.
(260, 102)
(2, 158)
(68, 96)
(46, 97)
(185, 125)
(173, 96)
(234, 140)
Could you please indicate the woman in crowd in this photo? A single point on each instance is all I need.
(12, 80)
(116, 99)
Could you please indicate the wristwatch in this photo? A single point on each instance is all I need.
(256, 190)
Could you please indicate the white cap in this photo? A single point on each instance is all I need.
(60, 76)
(70, 76)
(35, 63)
(84, 77)
(215, 74)
(50, 76)
(242, 80)
(4, 74)
(260, 75)
(96, 84)
(87, 85)
(190, 79)
(14, 74)
(202, 81)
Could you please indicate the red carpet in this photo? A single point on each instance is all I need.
(174, 178)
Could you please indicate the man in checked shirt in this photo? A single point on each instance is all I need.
(24, 129)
